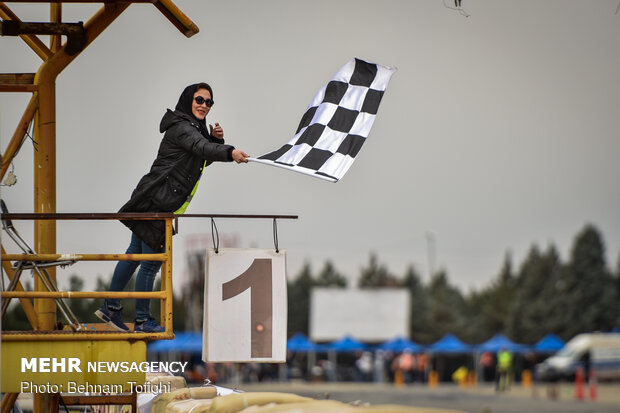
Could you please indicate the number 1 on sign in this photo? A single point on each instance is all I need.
(258, 279)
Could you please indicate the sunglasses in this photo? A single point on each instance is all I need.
(200, 100)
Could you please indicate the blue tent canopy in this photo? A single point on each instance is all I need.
(400, 344)
(345, 344)
(299, 342)
(499, 342)
(193, 343)
(449, 344)
(549, 344)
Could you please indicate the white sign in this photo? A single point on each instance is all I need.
(245, 310)
(368, 314)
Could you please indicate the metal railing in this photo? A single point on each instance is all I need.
(165, 295)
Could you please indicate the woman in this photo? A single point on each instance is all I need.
(186, 149)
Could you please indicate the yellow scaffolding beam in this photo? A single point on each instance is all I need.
(42, 108)
(31, 40)
(165, 295)
(19, 134)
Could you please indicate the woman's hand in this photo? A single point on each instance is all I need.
(239, 156)
(216, 132)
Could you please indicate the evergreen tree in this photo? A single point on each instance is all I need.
(15, 318)
(446, 305)
(488, 310)
(501, 297)
(179, 310)
(591, 299)
(80, 306)
(419, 329)
(535, 308)
(330, 277)
(299, 301)
(376, 275)
(618, 276)
(475, 313)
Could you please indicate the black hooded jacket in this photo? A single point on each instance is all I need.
(180, 159)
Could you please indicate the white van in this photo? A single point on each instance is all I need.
(602, 350)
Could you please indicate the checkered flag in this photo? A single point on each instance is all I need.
(336, 123)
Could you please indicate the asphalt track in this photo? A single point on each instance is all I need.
(480, 399)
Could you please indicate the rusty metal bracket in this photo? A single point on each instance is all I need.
(76, 35)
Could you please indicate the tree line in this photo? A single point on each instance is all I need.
(543, 295)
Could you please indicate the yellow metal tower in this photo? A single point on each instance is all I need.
(42, 110)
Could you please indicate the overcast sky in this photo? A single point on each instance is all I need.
(499, 130)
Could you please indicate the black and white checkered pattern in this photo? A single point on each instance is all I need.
(336, 123)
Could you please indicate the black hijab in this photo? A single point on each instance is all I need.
(185, 104)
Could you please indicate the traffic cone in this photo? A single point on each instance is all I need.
(399, 378)
(579, 383)
(433, 379)
(593, 385)
(472, 379)
(526, 378)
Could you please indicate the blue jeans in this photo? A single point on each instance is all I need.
(144, 281)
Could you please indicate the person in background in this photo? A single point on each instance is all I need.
(487, 362)
(504, 368)
(421, 365)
